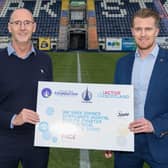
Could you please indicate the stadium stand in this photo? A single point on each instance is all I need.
(46, 14)
(48, 19)
(112, 16)
(2, 2)
(92, 21)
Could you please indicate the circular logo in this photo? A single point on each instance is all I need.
(43, 126)
(46, 92)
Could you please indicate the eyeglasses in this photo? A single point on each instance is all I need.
(19, 23)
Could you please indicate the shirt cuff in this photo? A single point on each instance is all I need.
(11, 125)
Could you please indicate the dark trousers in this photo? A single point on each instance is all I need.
(136, 159)
(19, 148)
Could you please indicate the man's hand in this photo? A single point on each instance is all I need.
(26, 116)
(141, 126)
(108, 154)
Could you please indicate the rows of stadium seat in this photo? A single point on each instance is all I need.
(47, 20)
(113, 18)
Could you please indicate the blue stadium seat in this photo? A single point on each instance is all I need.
(47, 19)
(113, 18)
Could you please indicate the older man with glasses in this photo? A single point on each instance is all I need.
(21, 67)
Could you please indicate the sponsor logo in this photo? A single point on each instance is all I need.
(43, 126)
(46, 92)
(112, 94)
(122, 114)
(87, 96)
(66, 93)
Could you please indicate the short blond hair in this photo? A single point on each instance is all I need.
(145, 13)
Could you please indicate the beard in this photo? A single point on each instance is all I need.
(145, 48)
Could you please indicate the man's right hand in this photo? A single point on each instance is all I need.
(26, 116)
(108, 154)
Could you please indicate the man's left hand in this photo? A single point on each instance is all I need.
(141, 126)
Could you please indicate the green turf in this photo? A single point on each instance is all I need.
(65, 66)
(98, 67)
